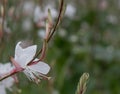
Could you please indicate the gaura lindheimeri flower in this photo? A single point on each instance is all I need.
(8, 82)
(34, 71)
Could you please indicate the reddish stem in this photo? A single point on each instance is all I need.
(12, 72)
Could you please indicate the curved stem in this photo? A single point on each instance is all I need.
(57, 22)
(52, 30)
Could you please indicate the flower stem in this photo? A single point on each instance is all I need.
(43, 53)
(12, 72)
(58, 21)
(52, 31)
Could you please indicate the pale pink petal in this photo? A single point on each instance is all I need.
(5, 68)
(29, 53)
(8, 82)
(18, 50)
(23, 60)
(40, 67)
(24, 55)
(2, 89)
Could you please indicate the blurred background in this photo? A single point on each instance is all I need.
(88, 40)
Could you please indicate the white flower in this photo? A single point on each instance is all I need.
(23, 56)
(41, 33)
(28, 8)
(27, 25)
(70, 11)
(40, 15)
(8, 82)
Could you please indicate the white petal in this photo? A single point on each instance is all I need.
(2, 89)
(30, 52)
(70, 11)
(8, 82)
(24, 55)
(5, 68)
(38, 14)
(18, 49)
(40, 67)
(23, 60)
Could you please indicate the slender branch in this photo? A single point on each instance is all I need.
(12, 72)
(43, 51)
(52, 30)
(58, 21)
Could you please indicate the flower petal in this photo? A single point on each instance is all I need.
(5, 68)
(29, 53)
(8, 82)
(18, 50)
(24, 55)
(2, 89)
(40, 67)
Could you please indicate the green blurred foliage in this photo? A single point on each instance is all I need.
(88, 42)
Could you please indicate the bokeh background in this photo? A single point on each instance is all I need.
(88, 40)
